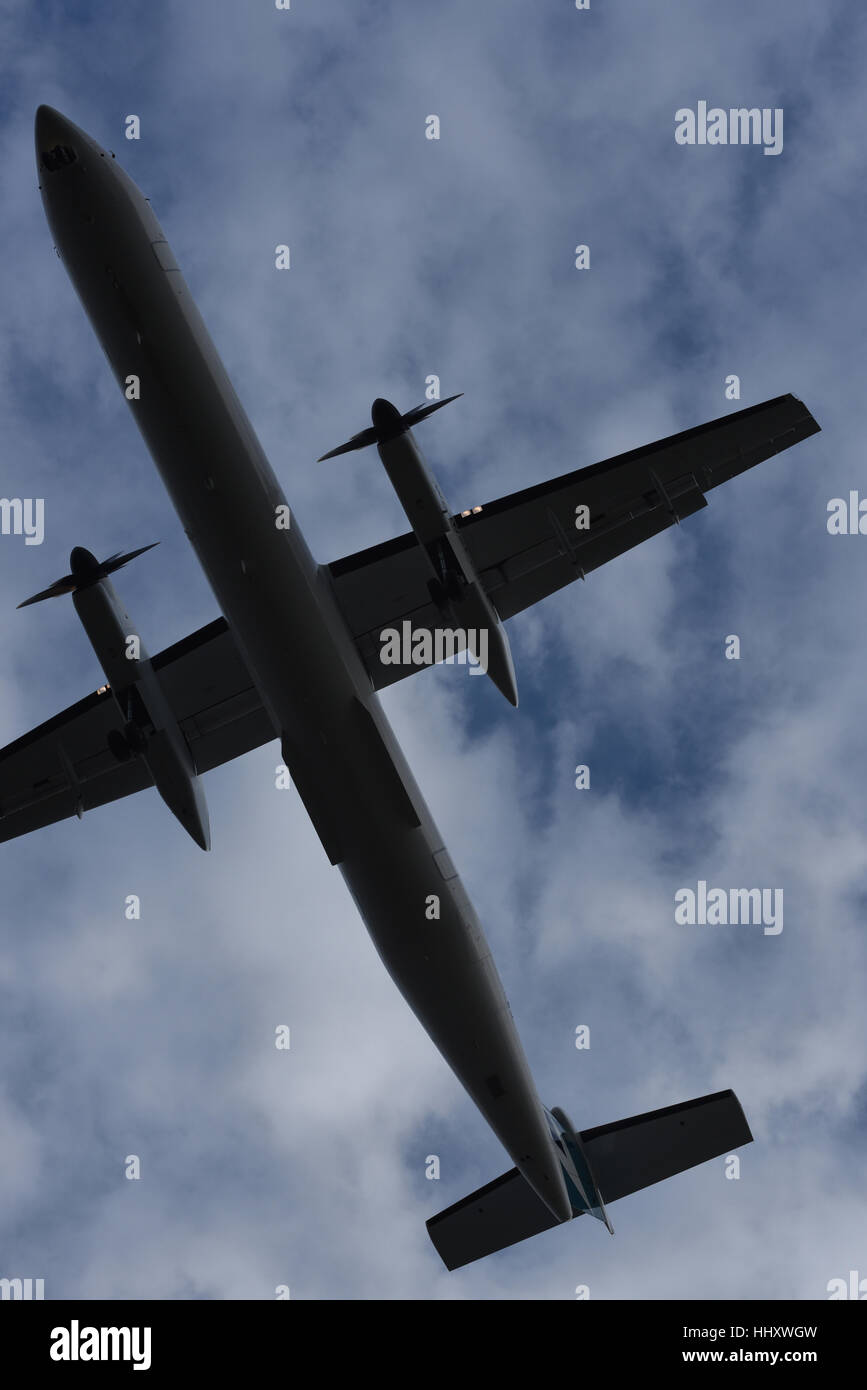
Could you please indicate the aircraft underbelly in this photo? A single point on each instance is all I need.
(344, 759)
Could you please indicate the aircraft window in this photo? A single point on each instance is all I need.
(56, 158)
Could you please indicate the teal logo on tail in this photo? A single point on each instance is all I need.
(581, 1186)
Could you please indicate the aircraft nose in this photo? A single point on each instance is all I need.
(49, 125)
(55, 139)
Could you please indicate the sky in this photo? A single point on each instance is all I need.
(455, 257)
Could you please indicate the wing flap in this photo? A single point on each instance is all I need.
(212, 696)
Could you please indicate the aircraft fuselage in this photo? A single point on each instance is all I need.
(336, 741)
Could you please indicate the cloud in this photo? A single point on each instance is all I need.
(412, 257)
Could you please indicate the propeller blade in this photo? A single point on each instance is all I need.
(421, 412)
(89, 574)
(358, 441)
(369, 436)
(66, 585)
(116, 562)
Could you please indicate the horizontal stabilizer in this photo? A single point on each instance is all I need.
(501, 1214)
(625, 1157)
(635, 1153)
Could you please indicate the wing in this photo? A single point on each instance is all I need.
(64, 767)
(528, 545)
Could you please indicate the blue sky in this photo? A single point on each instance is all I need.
(454, 257)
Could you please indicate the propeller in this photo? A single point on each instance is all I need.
(388, 423)
(85, 570)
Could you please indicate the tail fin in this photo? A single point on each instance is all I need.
(622, 1157)
(581, 1184)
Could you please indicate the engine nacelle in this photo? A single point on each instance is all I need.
(151, 731)
(454, 586)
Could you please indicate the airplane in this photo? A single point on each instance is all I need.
(296, 655)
